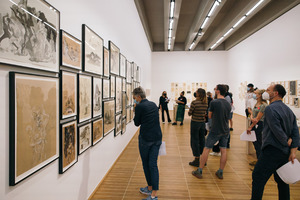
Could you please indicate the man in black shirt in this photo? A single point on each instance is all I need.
(163, 106)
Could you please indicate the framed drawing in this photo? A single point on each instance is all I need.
(293, 88)
(97, 97)
(138, 74)
(122, 65)
(34, 124)
(296, 102)
(112, 86)
(298, 88)
(128, 94)
(118, 124)
(128, 118)
(123, 126)
(114, 58)
(92, 49)
(128, 72)
(84, 137)
(291, 100)
(85, 98)
(70, 51)
(105, 62)
(68, 146)
(109, 116)
(27, 42)
(134, 71)
(68, 93)
(124, 104)
(123, 85)
(106, 89)
(131, 113)
(97, 131)
(118, 94)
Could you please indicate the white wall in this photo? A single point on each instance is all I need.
(113, 20)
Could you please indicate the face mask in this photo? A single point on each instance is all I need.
(254, 96)
(136, 102)
(164, 94)
(265, 96)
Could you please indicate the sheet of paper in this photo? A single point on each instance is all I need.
(251, 137)
(290, 173)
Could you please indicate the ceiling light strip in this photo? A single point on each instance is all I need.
(171, 21)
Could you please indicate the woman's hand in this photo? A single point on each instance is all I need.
(249, 130)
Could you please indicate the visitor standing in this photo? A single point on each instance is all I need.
(181, 101)
(163, 106)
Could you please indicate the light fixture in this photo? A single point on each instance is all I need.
(192, 45)
(171, 23)
(204, 23)
(254, 7)
(172, 8)
(228, 32)
(236, 24)
(170, 33)
(220, 40)
(213, 8)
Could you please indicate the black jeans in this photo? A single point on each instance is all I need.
(163, 114)
(149, 154)
(197, 137)
(269, 161)
(258, 132)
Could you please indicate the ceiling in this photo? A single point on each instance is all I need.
(189, 16)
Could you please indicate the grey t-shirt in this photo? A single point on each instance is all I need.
(220, 109)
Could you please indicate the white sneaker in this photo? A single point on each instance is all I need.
(215, 154)
(218, 154)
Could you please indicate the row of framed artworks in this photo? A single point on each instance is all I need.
(292, 96)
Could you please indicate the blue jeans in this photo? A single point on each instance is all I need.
(149, 154)
(268, 162)
(197, 137)
(212, 138)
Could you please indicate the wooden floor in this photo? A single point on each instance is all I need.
(176, 181)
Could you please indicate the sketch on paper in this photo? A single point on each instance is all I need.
(128, 115)
(123, 104)
(29, 34)
(114, 58)
(112, 86)
(122, 66)
(131, 114)
(97, 97)
(128, 72)
(128, 94)
(123, 126)
(118, 94)
(85, 137)
(97, 131)
(118, 124)
(296, 102)
(93, 51)
(85, 98)
(138, 74)
(293, 87)
(70, 51)
(123, 85)
(106, 62)
(106, 88)
(109, 116)
(69, 94)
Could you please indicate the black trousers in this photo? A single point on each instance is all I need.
(258, 132)
(163, 114)
(197, 137)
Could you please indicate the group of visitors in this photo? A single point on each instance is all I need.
(275, 127)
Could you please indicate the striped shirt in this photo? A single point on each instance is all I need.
(198, 111)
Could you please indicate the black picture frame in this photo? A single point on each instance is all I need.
(118, 124)
(84, 98)
(106, 61)
(97, 97)
(105, 89)
(123, 62)
(128, 117)
(128, 72)
(114, 58)
(123, 126)
(118, 94)
(112, 86)
(98, 133)
(84, 137)
(108, 116)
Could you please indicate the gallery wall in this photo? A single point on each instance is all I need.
(113, 20)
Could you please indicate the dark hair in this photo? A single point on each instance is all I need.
(202, 95)
(182, 92)
(227, 88)
(139, 91)
(250, 85)
(280, 89)
(222, 89)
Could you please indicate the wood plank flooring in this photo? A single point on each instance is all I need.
(176, 181)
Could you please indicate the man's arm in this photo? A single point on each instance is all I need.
(295, 134)
(137, 116)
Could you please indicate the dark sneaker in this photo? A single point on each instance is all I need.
(195, 163)
(145, 191)
(197, 173)
(219, 174)
(174, 123)
(181, 124)
(231, 129)
(150, 198)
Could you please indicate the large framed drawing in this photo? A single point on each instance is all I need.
(70, 51)
(114, 58)
(34, 124)
(97, 131)
(128, 94)
(118, 94)
(123, 126)
(123, 104)
(85, 98)
(84, 137)
(293, 88)
(106, 88)
(68, 88)
(92, 48)
(105, 62)
(29, 34)
(118, 124)
(112, 86)
(128, 72)
(97, 97)
(123, 65)
(109, 116)
(68, 146)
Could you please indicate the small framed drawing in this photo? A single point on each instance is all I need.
(128, 72)
(291, 100)
(118, 124)
(97, 97)
(123, 126)
(70, 51)
(92, 49)
(27, 41)
(296, 102)
(84, 137)
(68, 93)
(138, 74)
(298, 88)
(123, 85)
(124, 104)
(105, 62)
(118, 94)
(128, 94)
(68, 146)
(293, 88)
(97, 130)
(135, 68)
(85, 98)
(128, 118)
(123, 65)
(33, 124)
(112, 86)
(131, 113)
(109, 116)
(106, 88)
(114, 58)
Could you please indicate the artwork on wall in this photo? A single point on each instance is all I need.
(97, 97)
(296, 102)
(123, 104)
(114, 58)
(68, 94)
(105, 62)
(128, 72)
(109, 116)
(106, 88)
(112, 86)
(123, 65)
(123, 126)
(70, 51)
(118, 124)
(128, 117)
(293, 87)
(68, 146)
(84, 137)
(118, 94)
(85, 98)
(298, 88)
(92, 48)
(131, 113)
(134, 70)
(128, 94)
(35, 42)
(97, 131)
(123, 85)
(138, 74)
(34, 124)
